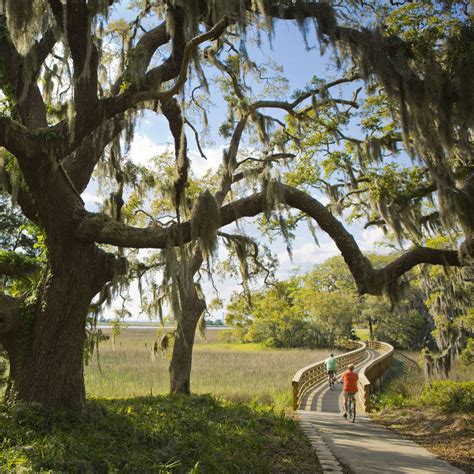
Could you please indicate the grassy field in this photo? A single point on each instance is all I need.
(362, 333)
(232, 371)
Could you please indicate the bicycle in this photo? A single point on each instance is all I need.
(331, 380)
(351, 407)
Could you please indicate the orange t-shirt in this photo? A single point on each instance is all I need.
(350, 381)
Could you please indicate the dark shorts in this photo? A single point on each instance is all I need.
(330, 372)
(349, 395)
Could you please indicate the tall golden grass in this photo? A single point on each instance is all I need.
(236, 372)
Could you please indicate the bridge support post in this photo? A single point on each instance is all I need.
(295, 395)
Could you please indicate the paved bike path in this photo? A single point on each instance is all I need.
(369, 448)
(364, 446)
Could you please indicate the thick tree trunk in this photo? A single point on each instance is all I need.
(46, 353)
(181, 360)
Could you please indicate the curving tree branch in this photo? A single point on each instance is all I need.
(151, 90)
(98, 228)
(80, 165)
(15, 137)
(142, 54)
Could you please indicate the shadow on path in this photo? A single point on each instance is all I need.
(371, 449)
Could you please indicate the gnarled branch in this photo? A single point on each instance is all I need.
(95, 227)
(15, 137)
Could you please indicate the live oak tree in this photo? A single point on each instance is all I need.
(74, 84)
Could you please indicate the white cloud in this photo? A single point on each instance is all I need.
(305, 256)
(200, 165)
(143, 148)
(324, 200)
(90, 198)
(372, 240)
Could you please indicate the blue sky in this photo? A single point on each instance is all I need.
(299, 65)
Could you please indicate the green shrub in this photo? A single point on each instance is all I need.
(391, 400)
(229, 335)
(152, 434)
(450, 396)
(467, 355)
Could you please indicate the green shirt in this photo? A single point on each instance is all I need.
(331, 363)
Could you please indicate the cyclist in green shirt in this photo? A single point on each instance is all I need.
(331, 369)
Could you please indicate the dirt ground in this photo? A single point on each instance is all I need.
(448, 436)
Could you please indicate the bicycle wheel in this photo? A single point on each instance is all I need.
(349, 409)
(352, 408)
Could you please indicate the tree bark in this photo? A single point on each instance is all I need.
(181, 360)
(45, 347)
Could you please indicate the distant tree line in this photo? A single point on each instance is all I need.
(322, 307)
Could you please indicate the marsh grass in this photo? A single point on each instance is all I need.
(232, 371)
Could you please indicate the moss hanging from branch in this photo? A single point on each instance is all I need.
(239, 244)
(271, 192)
(25, 20)
(244, 249)
(205, 220)
(433, 92)
(447, 297)
(261, 126)
(334, 194)
(373, 150)
(171, 281)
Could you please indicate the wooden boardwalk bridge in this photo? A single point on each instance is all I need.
(363, 447)
(310, 388)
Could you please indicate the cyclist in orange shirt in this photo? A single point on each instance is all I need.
(349, 378)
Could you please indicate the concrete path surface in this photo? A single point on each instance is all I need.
(367, 447)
